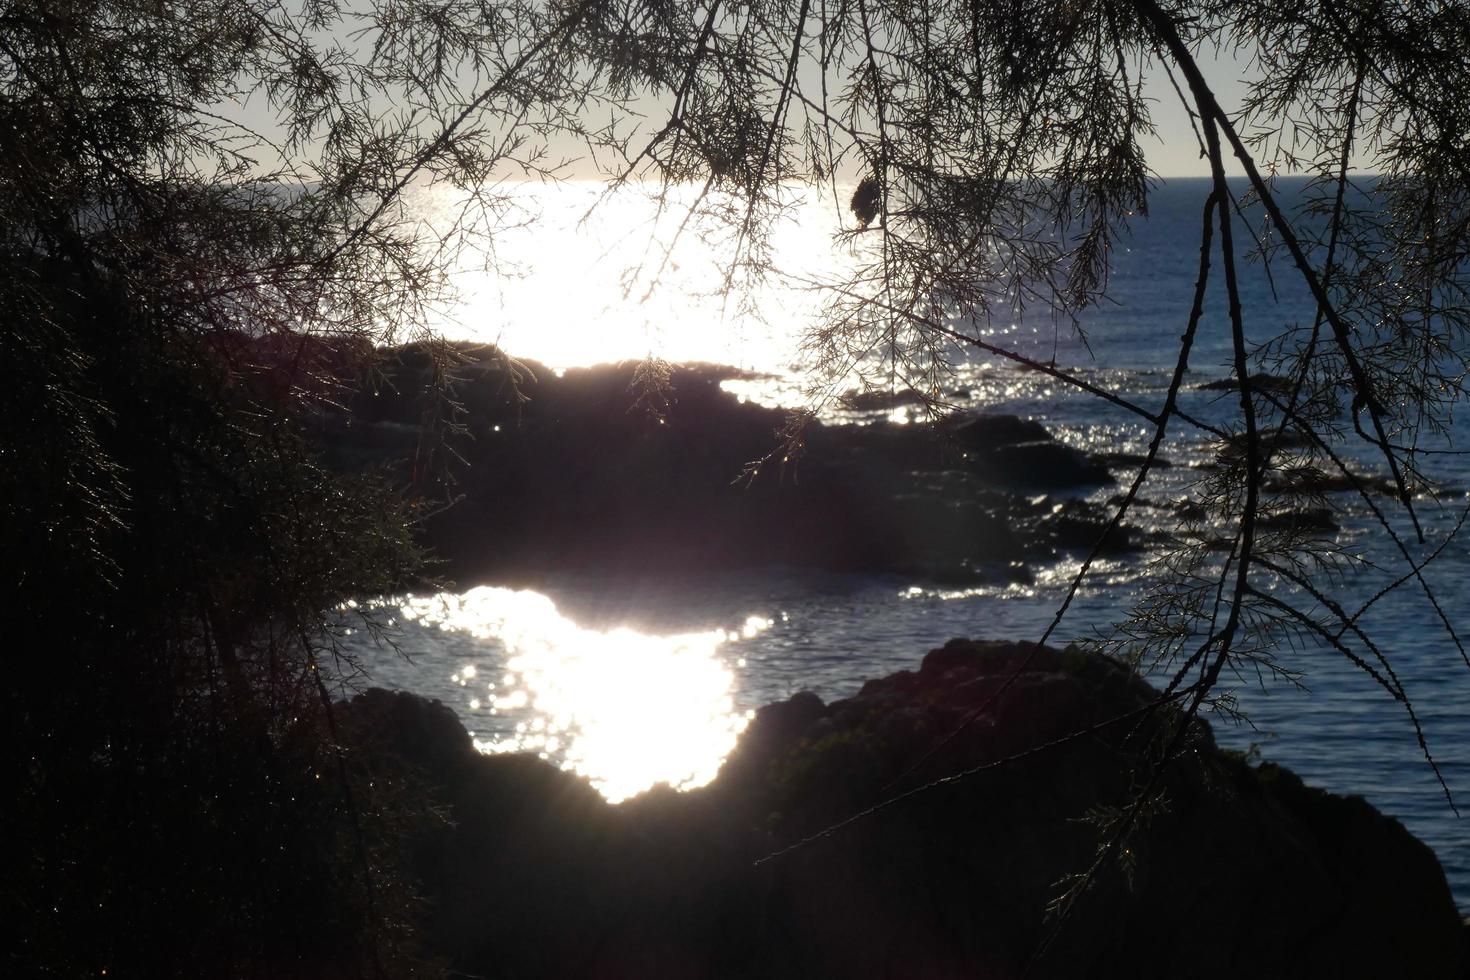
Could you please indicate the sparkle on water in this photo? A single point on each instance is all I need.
(625, 709)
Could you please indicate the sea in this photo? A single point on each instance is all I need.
(638, 682)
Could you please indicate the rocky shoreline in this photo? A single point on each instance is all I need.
(583, 471)
(1234, 870)
(1237, 871)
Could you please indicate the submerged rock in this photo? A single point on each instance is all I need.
(1232, 871)
(1269, 383)
(1307, 480)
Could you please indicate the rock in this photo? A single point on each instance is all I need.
(945, 531)
(576, 472)
(881, 401)
(424, 734)
(1309, 480)
(1236, 870)
(1311, 520)
(514, 852)
(987, 433)
(1268, 383)
(1132, 461)
(1077, 525)
(1190, 512)
(956, 881)
(1046, 464)
(777, 726)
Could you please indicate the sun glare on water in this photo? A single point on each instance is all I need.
(576, 284)
(625, 709)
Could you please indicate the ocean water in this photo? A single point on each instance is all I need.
(638, 682)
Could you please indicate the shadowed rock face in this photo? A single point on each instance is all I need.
(580, 476)
(1240, 872)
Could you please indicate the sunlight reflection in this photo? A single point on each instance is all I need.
(625, 709)
(1049, 579)
(596, 266)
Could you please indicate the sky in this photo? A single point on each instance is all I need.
(1173, 152)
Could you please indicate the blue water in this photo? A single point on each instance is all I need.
(825, 633)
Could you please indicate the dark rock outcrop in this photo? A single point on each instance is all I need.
(1048, 464)
(1236, 871)
(881, 401)
(575, 472)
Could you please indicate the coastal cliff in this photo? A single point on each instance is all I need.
(1236, 871)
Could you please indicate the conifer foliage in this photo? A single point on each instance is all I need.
(205, 234)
